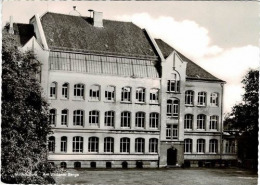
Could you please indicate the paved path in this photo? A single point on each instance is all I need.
(191, 176)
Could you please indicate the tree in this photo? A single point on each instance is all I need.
(24, 118)
(244, 117)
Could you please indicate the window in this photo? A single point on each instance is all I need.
(173, 108)
(140, 95)
(189, 95)
(126, 94)
(139, 145)
(230, 146)
(171, 131)
(77, 165)
(202, 98)
(78, 117)
(200, 146)
(79, 91)
(94, 92)
(64, 117)
(125, 119)
(124, 145)
(201, 121)
(187, 145)
(214, 99)
(65, 91)
(94, 117)
(140, 119)
(63, 144)
(93, 144)
(154, 120)
(213, 123)
(109, 144)
(51, 144)
(63, 165)
(52, 117)
(110, 93)
(188, 121)
(153, 145)
(109, 118)
(154, 96)
(213, 146)
(173, 85)
(77, 144)
(53, 90)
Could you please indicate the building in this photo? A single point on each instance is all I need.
(122, 99)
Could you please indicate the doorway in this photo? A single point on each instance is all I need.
(171, 156)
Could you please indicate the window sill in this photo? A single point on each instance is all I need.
(109, 127)
(188, 130)
(173, 92)
(126, 102)
(52, 98)
(93, 100)
(78, 99)
(201, 130)
(140, 103)
(64, 99)
(151, 103)
(109, 101)
(189, 105)
(202, 106)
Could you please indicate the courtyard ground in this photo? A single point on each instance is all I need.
(190, 176)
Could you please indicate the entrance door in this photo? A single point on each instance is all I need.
(171, 156)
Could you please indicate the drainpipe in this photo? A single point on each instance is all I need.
(221, 125)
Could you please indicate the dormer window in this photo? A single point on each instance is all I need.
(173, 85)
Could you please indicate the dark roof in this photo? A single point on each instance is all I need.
(22, 32)
(193, 71)
(66, 32)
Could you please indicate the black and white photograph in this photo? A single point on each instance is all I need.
(130, 92)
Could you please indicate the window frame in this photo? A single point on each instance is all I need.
(173, 111)
(109, 145)
(53, 90)
(53, 117)
(140, 95)
(201, 146)
(201, 122)
(213, 123)
(125, 145)
(140, 119)
(202, 99)
(154, 118)
(93, 144)
(153, 145)
(110, 94)
(65, 91)
(126, 95)
(123, 117)
(109, 120)
(64, 117)
(77, 144)
(78, 118)
(187, 145)
(214, 99)
(213, 146)
(51, 144)
(173, 85)
(63, 144)
(94, 118)
(188, 121)
(139, 145)
(79, 91)
(94, 95)
(189, 98)
(154, 96)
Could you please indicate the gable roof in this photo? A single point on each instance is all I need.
(67, 32)
(193, 71)
(22, 32)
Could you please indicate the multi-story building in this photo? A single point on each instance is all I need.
(120, 98)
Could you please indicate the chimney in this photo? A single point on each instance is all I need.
(98, 19)
(11, 26)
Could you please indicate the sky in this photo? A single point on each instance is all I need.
(221, 37)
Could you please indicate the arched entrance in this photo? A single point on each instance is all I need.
(171, 156)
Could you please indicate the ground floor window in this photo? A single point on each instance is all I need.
(139, 145)
(200, 146)
(124, 145)
(213, 146)
(153, 145)
(77, 145)
(93, 144)
(187, 145)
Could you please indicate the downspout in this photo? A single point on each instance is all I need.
(221, 125)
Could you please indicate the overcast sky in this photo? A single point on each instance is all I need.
(222, 37)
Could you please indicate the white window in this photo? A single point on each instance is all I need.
(173, 108)
(77, 144)
(110, 93)
(140, 95)
(78, 117)
(139, 145)
(213, 123)
(79, 91)
(53, 90)
(51, 144)
(94, 92)
(124, 145)
(65, 91)
(154, 120)
(109, 118)
(153, 145)
(200, 146)
(187, 145)
(64, 117)
(63, 144)
(140, 119)
(173, 85)
(213, 146)
(126, 94)
(214, 99)
(171, 131)
(93, 117)
(109, 144)
(93, 144)
(230, 146)
(125, 119)
(52, 117)
(189, 96)
(201, 121)
(188, 121)
(202, 98)
(154, 96)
